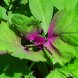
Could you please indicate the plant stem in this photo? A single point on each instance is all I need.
(31, 65)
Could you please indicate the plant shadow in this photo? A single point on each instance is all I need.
(10, 66)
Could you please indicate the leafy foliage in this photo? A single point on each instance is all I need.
(12, 44)
(31, 46)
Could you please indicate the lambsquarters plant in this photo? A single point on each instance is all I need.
(38, 39)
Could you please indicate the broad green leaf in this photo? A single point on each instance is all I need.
(7, 35)
(66, 26)
(66, 43)
(9, 42)
(56, 74)
(42, 10)
(3, 13)
(65, 4)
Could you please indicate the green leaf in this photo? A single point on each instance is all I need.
(66, 51)
(65, 4)
(7, 35)
(22, 19)
(9, 42)
(24, 23)
(43, 12)
(3, 13)
(70, 69)
(7, 1)
(30, 55)
(24, 2)
(56, 74)
(66, 27)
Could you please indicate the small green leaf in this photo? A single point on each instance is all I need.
(7, 1)
(43, 12)
(3, 13)
(24, 2)
(24, 23)
(22, 19)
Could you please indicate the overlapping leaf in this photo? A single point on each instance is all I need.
(42, 10)
(67, 71)
(24, 24)
(66, 27)
(70, 69)
(9, 42)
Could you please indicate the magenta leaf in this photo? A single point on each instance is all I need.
(32, 34)
(51, 37)
(51, 28)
